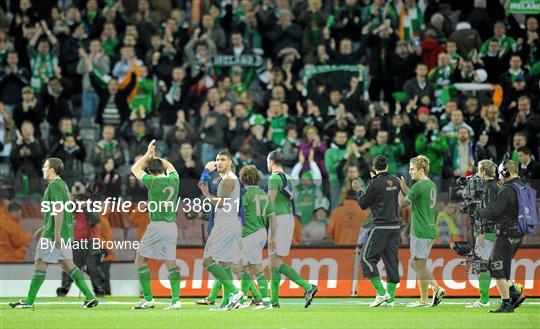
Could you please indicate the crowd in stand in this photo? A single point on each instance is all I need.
(330, 83)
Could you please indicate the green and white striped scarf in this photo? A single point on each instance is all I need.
(42, 65)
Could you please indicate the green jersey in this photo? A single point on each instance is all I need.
(162, 196)
(423, 197)
(279, 127)
(282, 205)
(258, 209)
(305, 203)
(57, 191)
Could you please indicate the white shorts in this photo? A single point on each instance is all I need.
(51, 255)
(284, 234)
(252, 247)
(420, 248)
(223, 243)
(485, 251)
(159, 241)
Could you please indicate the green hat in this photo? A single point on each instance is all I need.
(400, 97)
(322, 203)
(257, 120)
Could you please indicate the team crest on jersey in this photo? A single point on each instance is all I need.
(391, 186)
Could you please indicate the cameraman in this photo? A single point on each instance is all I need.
(504, 212)
(485, 239)
(381, 196)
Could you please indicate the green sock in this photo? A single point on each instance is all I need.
(245, 277)
(275, 278)
(221, 274)
(253, 288)
(294, 276)
(226, 289)
(484, 281)
(391, 288)
(377, 284)
(76, 274)
(263, 288)
(175, 279)
(216, 288)
(37, 281)
(144, 279)
(225, 297)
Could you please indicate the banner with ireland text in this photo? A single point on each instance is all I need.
(523, 6)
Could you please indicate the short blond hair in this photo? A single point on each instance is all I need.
(512, 167)
(421, 162)
(487, 166)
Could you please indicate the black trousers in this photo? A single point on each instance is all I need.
(382, 242)
(88, 262)
(105, 268)
(500, 260)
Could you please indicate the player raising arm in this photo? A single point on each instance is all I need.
(159, 239)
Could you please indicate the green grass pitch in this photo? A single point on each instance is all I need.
(327, 313)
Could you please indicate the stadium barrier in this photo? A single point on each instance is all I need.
(331, 268)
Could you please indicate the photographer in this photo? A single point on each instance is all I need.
(381, 196)
(485, 239)
(84, 229)
(504, 212)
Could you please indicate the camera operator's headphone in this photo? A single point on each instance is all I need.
(503, 169)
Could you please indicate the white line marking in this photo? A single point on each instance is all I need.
(285, 303)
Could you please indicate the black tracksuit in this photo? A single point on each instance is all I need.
(381, 196)
(504, 213)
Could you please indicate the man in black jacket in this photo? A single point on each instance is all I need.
(420, 87)
(113, 105)
(403, 62)
(529, 167)
(526, 121)
(504, 212)
(189, 170)
(381, 196)
(13, 78)
(25, 158)
(55, 99)
(176, 98)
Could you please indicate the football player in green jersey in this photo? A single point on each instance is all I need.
(258, 211)
(281, 193)
(159, 239)
(54, 239)
(423, 198)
